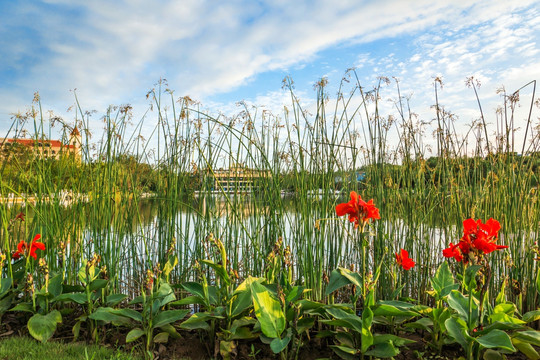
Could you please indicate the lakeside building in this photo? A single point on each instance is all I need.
(50, 149)
(237, 178)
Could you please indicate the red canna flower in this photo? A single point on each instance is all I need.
(23, 248)
(404, 260)
(477, 237)
(358, 209)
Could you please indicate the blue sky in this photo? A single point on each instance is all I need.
(221, 52)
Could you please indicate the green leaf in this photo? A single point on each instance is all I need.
(350, 321)
(5, 285)
(295, 293)
(98, 284)
(161, 338)
(531, 316)
(194, 288)
(220, 271)
(268, 311)
(336, 282)
(189, 300)
(169, 316)
(383, 350)
(389, 310)
(165, 293)
(277, 345)
(55, 285)
(5, 303)
(491, 354)
(396, 340)
(460, 304)
(352, 276)
(134, 335)
(457, 328)
(74, 297)
(526, 349)
(470, 276)
(26, 307)
(529, 336)
(367, 336)
(304, 324)
(345, 352)
(443, 281)
(114, 299)
(496, 339)
(241, 303)
(42, 327)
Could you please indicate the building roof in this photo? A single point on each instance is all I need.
(32, 142)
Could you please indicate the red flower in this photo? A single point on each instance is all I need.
(453, 251)
(358, 209)
(23, 247)
(477, 237)
(404, 260)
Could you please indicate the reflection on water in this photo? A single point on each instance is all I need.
(133, 236)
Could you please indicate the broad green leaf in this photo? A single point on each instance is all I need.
(194, 288)
(241, 303)
(496, 339)
(457, 328)
(246, 284)
(268, 311)
(350, 321)
(491, 354)
(220, 271)
(114, 299)
(367, 336)
(55, 285)
(161, 337)
(396, 340)
(531, 316)
(304, 324)
(5, 303)
(389, 310)
(526, 349)
(42, 327)
(345, 352)
(336, 282)
(383, 350)
(423, 324)
(169, 316)
(352, 276)
(98, 284)
(165, 293)
(26, 307)
(277, 345)
(443, 281)
(470, 276)
(189, 300)
(529, 336)
(295, 293)
(134, 335)
(460, 304)
(507, 308)
(5, 285)
(74, 297)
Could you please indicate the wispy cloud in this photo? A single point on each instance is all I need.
(112, 52)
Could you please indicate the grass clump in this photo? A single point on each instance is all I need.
(22, 348)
